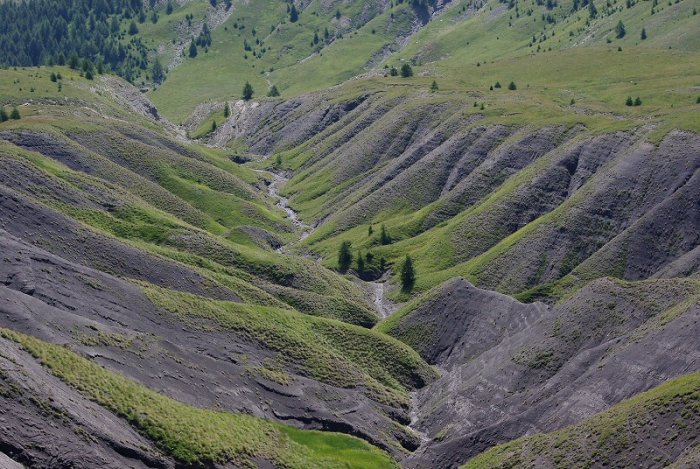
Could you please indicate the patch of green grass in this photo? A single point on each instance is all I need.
(201, 436)
(329, 351)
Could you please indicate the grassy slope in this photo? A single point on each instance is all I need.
(159, 218)
(291, 61)
(598, 78)
(329, 351)
(450, 46)
(200, 436)
(167, 199)
(612, 436)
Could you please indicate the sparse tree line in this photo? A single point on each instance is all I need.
(14, 114)
(368, 266)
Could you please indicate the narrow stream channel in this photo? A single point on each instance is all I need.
(377, 289)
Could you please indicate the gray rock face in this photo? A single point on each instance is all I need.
(45, 423)
(511, 369)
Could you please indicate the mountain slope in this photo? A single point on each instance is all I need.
(511, 369)
(658, 426)
(203, 279)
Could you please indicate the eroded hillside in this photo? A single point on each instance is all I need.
(172, 286)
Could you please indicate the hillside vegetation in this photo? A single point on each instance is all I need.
(325, 233)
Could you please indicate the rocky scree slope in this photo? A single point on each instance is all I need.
(511, 369)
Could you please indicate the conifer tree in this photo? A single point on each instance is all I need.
(3, 115)
(227, 111)
(434, 86)
(643, 35)
(15, 114)
(620, 30)
(157, 72)
(408, 275)
(293, 14)
(592, 10)
(274, 92)
(247, 91)
(384, 237)
(360, 265)
(344, 256)
(193, 49)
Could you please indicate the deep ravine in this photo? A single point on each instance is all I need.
(377, 288)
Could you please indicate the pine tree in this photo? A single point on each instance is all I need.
(620, 30)
(592, 10)
(512, 86)
(497, 85)
(274, 92)
(638, 101)
(227, 111)
(15, 114)
(74, 61)
(169, 8)
(157, 72)
(408, 275)
(629, 101)
(406, 71)
(133, 29)
(384, 237)
(393, 72)
(193, 49)
(213, 126)
(344, 256)
(644, 34)
(434, 87)
(360, 265)
(247, 91)
(293, 14)
(3, 115)
(370, 230)
(53, 77)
